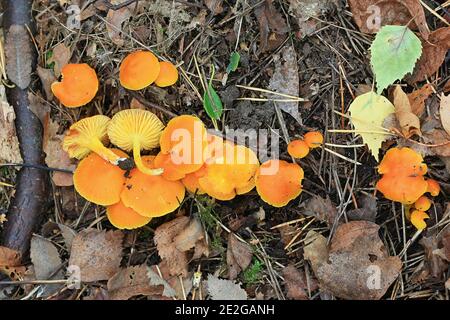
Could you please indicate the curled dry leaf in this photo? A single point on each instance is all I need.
(9, 143)
(239, 256)
(221, 289)
(272, 26)
(358, 266)
(323, 209)
(444, 111)
(97, 254)
(115, 19)
(409, 122)
(371, 15)
(417, 99)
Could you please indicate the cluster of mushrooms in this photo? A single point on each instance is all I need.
(403, 180)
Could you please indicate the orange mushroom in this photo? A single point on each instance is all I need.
(151, 196)
(417, 219)
(98, 181)
(313, 139)
(168, 74)
(230, 174)
(422, 204)
(136, 130)
(123, 217)
(402, 170)
(298, 149)
(78, 86)
(89, 134)
(433, 187)
(191, 183)
(139, 70)
(278, 182)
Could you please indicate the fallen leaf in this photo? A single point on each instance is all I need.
(272, 26)
(285, 80)
(68, 235)
(215, 6)
(173, 286)
(433, 55)
(115, 19)
(315, 250)
(444, 111)
(61, 56)
(368, 112)
(367, 210)
(97, 254)
(156, 280)
(295, 282)
(358, 266)
(221, 289)
(417, 99)
(409, 122)
(130, 282)
(9, 152)
(239, 256)
(18, 52)
(323, 209)
(441, 139)
(371, 15)
(47, 78)
(9, 257)
(304, 10)
(188, 237)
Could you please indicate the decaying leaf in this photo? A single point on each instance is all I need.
(315, 250)
(323, 209)
(18, 52)
(272, 26)
(239, 256)
(60, 57)
(295, 282)
(444, 111)
(370, 15)
(97, 254)
(367, 209)
(9, 257)
(47, 78)
(156, 280)
(115, 19)
(358, 265)
(409, 122)
(9, 143)
(221, 289)
(417, 99)
(305, 10)
(285, 80)
(68, 235)
(441, 141)
(215, 6)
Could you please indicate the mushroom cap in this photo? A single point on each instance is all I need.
(417, 219)
(403, 189)
(185, 139)
(151, 196)
(422, 204)
(128, 125)
(433, 187)
(80, 134)
(78, 86)
(138, 70)
(168, 74)
(298, 149)
(233, 173)
(99, 181)
(190, 181)
(172, 171)
(279, 186)
(313, 139)
(123, 217)
(402, 162)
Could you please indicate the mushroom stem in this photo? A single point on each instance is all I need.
(98, 147)
(140, 165)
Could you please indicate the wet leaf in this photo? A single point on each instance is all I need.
(221, 289)
(444, 111)
(408, 121)
(239, 256)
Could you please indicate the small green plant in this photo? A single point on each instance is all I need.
(211, 101)
(252, 274)
(234, 62)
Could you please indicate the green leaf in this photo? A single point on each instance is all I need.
(394, 53)
(234, 62)
(368, 112)
(212, 103)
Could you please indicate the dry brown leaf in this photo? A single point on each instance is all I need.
(9, 151)
(315, 250)
(389, 12)
(295, 282)
(130, 282)
(18, 52)
(433, 55)
(304, 10)
(61, 56)
(444, 111)
(115, 19)
(409, 122)
(272, 26)
(47, 78)
(97, 254)
(358, 266)
(442, 139)
(417, 99)
(9, 257)
(367, 209)
(215, 6)
(189, 236)
(323, 209)
(437, 252)
(173, 286)
(239, 256)
(68, 235)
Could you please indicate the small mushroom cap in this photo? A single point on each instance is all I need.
(128, 126)
(433, 187)
(123, 217)
(139, 70)
(185, 139)
(402, 162)
(81, 133)
(422, 204)
(417, 219)
(298, 149)
(151, 196)
(231, 174)
(279, 186)
(78, 86)
(313, 139)
(168, 74)
(99, 181)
